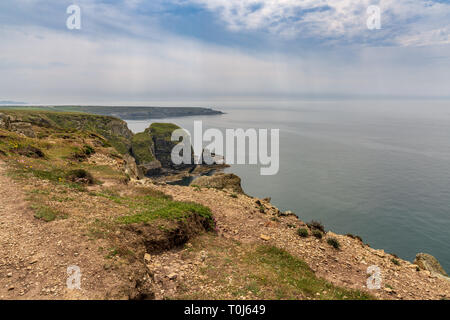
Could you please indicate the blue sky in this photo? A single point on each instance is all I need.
(141, 52)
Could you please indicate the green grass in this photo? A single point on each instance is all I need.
(302, 232)
(395, 261)
(149, 208)
(46, 213)
(334, 243)
(292, 277)
(163, 129)
(42, 170)
(141, 145)
(80, 123)
(317, 234)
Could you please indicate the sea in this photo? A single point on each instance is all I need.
(377, 169)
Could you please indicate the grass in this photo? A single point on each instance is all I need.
(150, 208)
(395, 261)
(80, 176)
(302, 232)
(141, 147)
(244, 271)
(105, 127)
(293, 276)
(163, 130)
(43, 171)
(316, 225)
(317, 234)
(46, 213)
(334, 243)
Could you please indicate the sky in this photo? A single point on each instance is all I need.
(150, 52)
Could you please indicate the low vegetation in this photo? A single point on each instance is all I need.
(141, 145)
(302, 232)
(259, 272)
(334, 243)
(317, 234)
(316, 225)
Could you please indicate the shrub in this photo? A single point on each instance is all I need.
(83, 154)
(302, 232)
(316, 225)
(317, 234)
(88, 150)
(31, 152)
(80, 176)
(354, 237)
(334, 243)
(395, 261)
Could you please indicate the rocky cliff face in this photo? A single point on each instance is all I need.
(16, 124)
(114, 130)
(221, 181)
(150, 150)
(160, 134)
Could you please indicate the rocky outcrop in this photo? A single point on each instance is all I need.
(152, 168)
(16, 124)
(226, 181)
(114, 130)
(131, 169)
(426, 261)
(24, 128)
(161, 134)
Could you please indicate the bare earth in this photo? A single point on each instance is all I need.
(35, 255)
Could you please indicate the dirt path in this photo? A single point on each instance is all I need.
(35, 255)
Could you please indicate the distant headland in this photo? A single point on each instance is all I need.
(128, 112)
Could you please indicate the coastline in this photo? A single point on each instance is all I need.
(74, 190)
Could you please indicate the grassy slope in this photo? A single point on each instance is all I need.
(72, 122)
(141, 145)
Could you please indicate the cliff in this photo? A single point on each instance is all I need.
(67, 198)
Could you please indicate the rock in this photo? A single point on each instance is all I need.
(220, 181)
(380, 253)
(24, 128)
(286, 214)
(428, 262)
(203, 255)
(265, 237)
(172, 276)
(9, 275)
(147, 258)
(131, 168)
(152, 168)
(161, 134)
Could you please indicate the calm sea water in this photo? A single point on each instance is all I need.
(380, 170)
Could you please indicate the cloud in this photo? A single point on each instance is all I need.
(47, 66)
(405, 22)
(123, 54)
